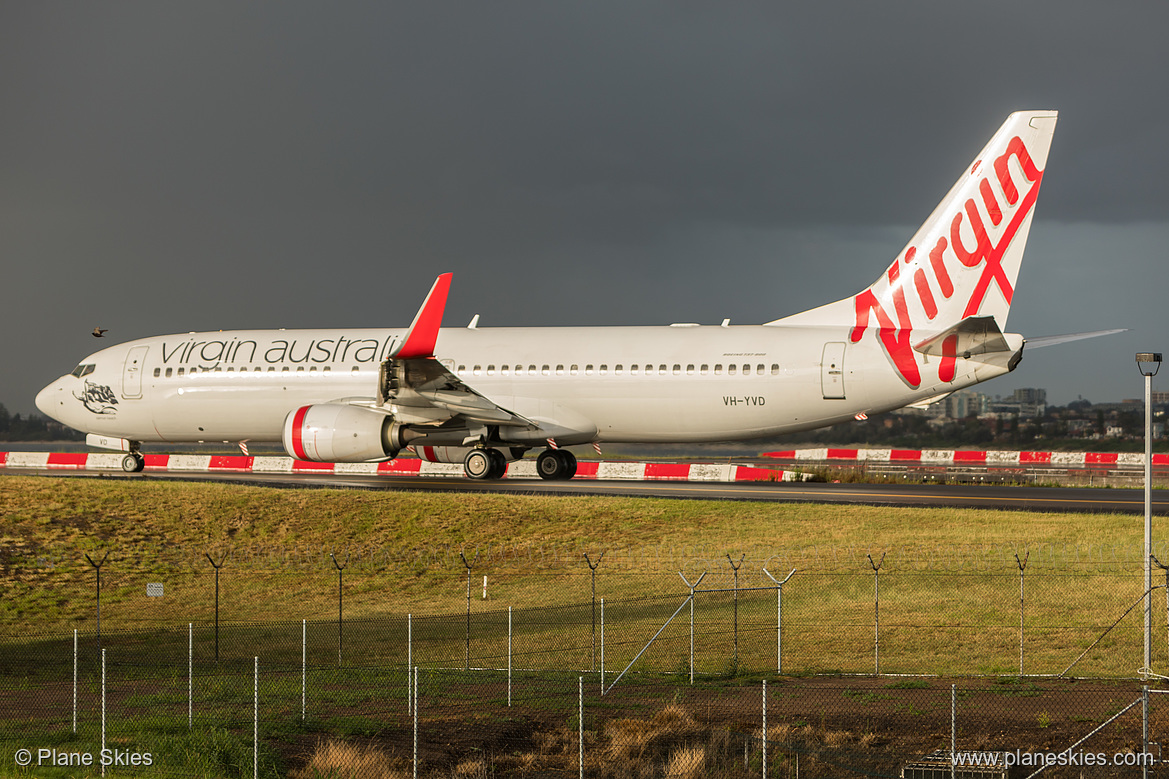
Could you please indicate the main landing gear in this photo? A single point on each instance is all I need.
(487, 463)
(484, 464)
(555, 464)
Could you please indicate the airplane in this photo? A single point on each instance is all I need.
(931, 324)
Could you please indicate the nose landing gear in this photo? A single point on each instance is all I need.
(133, 462)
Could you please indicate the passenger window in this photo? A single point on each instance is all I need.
(589, 369)
(461, 369)
(690, 370)
(574, 369)
(310, 370)
(704, 369)
(531, 370)
(157, 372)
(285, 369)
(299, 369)
(661, 370)
(677, 369)
(547, 369)
(760, 368)
(476, 370)
(180, 371)
(746, 370)
(617, 370)
(731, 369)
(559, 370)
(774, 369)
(231, 370)
(169, 372)
(604, 369)
(490, 370)
(327, 369)
(633, 369)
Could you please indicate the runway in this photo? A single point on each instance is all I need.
(1051, 499)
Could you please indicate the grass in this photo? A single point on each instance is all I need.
(949, 586)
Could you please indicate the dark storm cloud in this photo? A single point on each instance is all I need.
(187, 166)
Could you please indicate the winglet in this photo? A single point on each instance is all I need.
(423, 332)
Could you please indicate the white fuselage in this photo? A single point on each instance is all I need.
(615, 384)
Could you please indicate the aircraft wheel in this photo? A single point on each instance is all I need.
(556, 464)
(498, 464)
(133, 463)
(478, 464)
(569, 463)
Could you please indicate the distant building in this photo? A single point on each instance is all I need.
(1025, 403)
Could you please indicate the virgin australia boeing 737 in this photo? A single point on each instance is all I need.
(931, 324)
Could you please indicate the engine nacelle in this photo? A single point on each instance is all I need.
(339, 433)
(457, 454)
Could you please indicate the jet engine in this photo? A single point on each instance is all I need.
(340, 433)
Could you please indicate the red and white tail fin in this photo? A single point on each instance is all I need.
(963, 261)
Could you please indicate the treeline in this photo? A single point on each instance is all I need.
(34, 427)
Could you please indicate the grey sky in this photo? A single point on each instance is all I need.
(167, 167)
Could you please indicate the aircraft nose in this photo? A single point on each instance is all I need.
(51, 400)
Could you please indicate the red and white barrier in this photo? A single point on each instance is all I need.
(966, 457)
(520, 469)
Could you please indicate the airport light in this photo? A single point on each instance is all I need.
(1148, 363)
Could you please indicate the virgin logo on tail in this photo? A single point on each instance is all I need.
(969, 245)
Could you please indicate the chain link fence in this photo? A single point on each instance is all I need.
(661, 674)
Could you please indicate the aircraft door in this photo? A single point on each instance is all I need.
(132, 375)
(832, 370)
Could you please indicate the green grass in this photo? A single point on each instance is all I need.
(949, 585)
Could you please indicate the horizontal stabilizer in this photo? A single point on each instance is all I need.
(1052, 340)
(974, 335)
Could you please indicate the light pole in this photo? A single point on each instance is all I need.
(1148, 363)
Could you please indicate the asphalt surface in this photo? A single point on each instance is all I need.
(1054, 499)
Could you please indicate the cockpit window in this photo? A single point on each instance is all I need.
(83, 370)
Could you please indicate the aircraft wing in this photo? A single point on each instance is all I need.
(420, 389)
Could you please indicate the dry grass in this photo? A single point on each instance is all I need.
(342, 760)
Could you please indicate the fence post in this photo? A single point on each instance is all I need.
(779, 617)
(216, 566)
(467, 656)
(580, 723)
(764, 729)
(190, 674)
(593, 574)
(602, 646)
(256, 719)
(74, 680)
(414, 697)
(409, 659)
(736, 568)
(303, 666)
(1145, 728)
(877, 612)
(509, 655)
(953, 730)
(103, 709)
(1022, 567)
(692, 586)
(97, 567)
(340, 570)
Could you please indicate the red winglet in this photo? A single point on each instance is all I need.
(423, 332)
